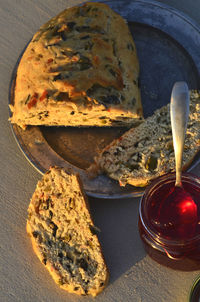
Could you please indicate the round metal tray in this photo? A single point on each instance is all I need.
(168, 44)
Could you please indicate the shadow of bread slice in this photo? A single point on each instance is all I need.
(146, 152)
(63, 234)
(80, 69)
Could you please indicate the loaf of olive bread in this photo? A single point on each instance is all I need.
(63, 234)
(80, 69)
(146, 152)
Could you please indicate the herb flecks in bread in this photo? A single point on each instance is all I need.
(146, 152)
(80, 69)
(64, 236)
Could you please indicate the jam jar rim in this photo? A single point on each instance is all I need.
(157, 182)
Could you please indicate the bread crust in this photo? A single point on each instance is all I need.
(146, 152)
(80, 69)
(77, 264)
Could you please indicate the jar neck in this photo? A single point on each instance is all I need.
(169, 246)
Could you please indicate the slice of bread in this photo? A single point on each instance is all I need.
(146, 152)
(63, 234)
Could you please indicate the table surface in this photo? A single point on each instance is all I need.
(133, 275)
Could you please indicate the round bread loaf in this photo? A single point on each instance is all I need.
(80, 69)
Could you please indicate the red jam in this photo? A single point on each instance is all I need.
(169, 221)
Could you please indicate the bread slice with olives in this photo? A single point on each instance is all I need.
(80, 69)
(63, 234)
(146, 152)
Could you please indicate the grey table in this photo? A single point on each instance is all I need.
(134, 276)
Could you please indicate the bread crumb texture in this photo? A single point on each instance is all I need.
(80, 69)
(63, 234)
(146, 152)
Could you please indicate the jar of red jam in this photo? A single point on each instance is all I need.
(173, 239)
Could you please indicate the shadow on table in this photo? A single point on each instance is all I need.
(119, 236)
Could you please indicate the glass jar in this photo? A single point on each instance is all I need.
(195, 291)
(176, 245)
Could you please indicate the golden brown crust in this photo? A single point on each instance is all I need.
(80, 69)
(63, 234)
(146, 152)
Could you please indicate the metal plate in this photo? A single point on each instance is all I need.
(168, 44)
